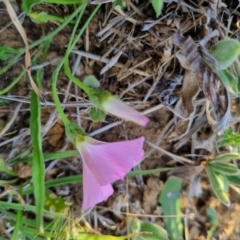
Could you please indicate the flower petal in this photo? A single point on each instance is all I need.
(118, 108)
(93, 192)
(109, 162)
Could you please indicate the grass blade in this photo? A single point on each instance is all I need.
(56, 182)
(18, 233)
(38, 167)
(22, 157)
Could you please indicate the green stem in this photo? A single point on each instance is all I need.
(60, 28)
(56, 72)
(80, 84)
(55, 95)
(71, 45)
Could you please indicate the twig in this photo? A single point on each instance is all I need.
(22, 32)
(175, 157)
(9, 124)
(107, 60)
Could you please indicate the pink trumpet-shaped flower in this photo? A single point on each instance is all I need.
(110, 104)
(118, 108)
(104, 163)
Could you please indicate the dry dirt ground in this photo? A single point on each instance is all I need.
(140, 76)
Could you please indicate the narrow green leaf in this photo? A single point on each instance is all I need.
(15, 80)
(234, 179)
(46, 156)
(33, 236)
(34, 232)
(4, 102)
(10, 214)
(56, 182)
(60, 155)
(8, 182)
(171, 206)
(155, 232)
(8, 52)
(18, 158)
(78, 179)
(238, 84)
(31, 208)
(157, 6)
(18, 232)
(38, 168)
(218, 183)
(4, 168)
(225, 157)
(226, 169)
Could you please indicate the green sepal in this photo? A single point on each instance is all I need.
(97, 115)
(74, 132)
(91, 81)
(98, 97)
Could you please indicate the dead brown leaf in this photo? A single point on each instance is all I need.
(194, 58)
(150, 195)
(23, 170)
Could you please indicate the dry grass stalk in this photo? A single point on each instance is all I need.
(22, 32)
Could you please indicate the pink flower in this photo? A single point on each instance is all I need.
(118, 108)
(110, 104)
(104, 163)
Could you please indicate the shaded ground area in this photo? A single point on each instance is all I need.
(146, 74)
